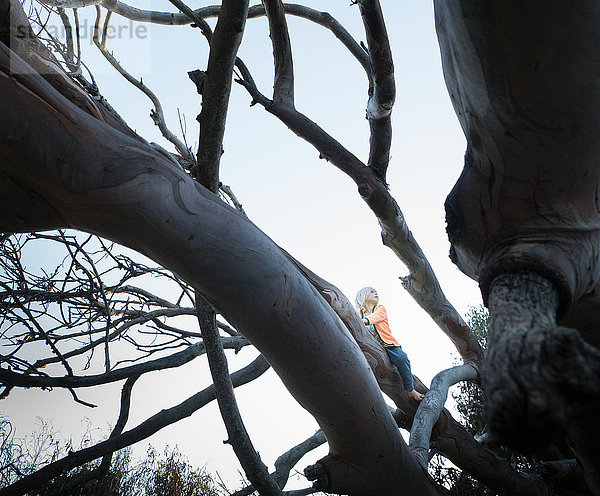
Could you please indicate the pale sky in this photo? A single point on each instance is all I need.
(305, 204)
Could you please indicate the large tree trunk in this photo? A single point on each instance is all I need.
(523, 78)
(79, 172)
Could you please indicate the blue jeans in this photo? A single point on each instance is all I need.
(402, 363)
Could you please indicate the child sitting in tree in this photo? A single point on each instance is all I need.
(375, 317)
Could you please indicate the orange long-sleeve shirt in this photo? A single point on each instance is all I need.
(379, 320)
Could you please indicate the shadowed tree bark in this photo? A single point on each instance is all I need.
(523, 218)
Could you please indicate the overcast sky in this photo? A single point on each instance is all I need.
(305, 204)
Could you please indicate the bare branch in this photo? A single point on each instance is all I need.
(382, 92)
(157, 113)
(226, 190)
(190, 15)
(283, 88)
(422, 282)
(286, 462)
(72, 4)
(216, 89)
(169, 18)
(255, 469)
(8, 377)
(382, 88)
(102, 469)
(142, 431)
(452, 440)
(432, 405)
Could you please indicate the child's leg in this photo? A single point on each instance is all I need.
(402, 363)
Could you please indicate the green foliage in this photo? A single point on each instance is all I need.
(166, 475)
(169, 474)
(113, 483)
(174, 476)
(468, 396)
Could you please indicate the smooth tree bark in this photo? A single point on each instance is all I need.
(523, 218)
(71, 163)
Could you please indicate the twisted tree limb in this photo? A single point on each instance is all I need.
(432, 405)
(541, 380)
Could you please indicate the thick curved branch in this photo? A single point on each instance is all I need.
(448, 436)
(432, 405)
(385, 372)
(255, 469)
(216, 249)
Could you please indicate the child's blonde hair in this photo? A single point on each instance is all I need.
(361, 296)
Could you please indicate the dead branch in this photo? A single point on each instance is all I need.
(283, 88)
(157, 113)
(286, 462)
(102, 469)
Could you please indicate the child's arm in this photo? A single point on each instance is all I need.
(379, 315)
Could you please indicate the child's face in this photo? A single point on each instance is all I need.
(372, 298)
